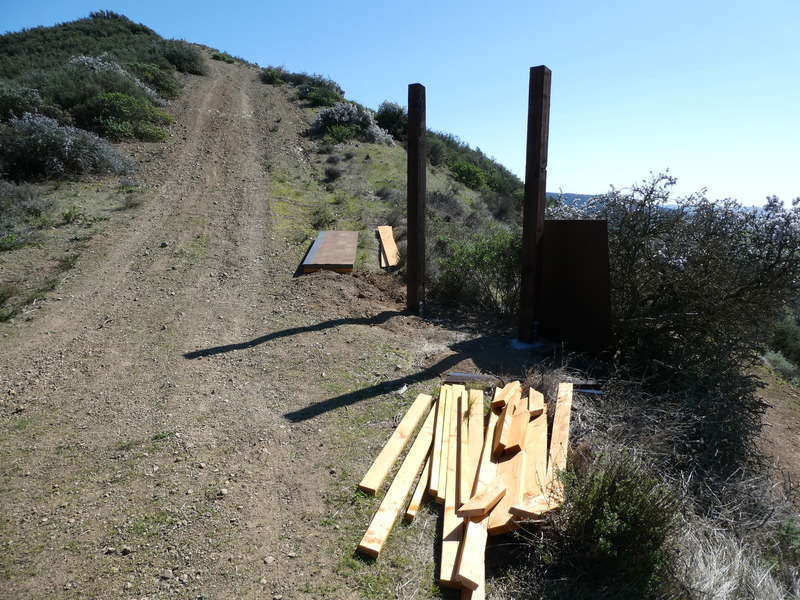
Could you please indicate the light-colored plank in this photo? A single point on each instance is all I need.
(436, 451)
(383, 521)
(476, 434)
(472, 563)
(466, 474)
(446, 446)
(535, 402)
(518, 429)
(536, 457)
(389, 251)
(503, 429)
(502, 395)
(452, 524)
(419, 492)
(487, 469)
(377, 473)
(559, 438)
(484, 501)
(511, 468)
(536, 498)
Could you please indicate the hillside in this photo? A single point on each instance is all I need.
(132, 470)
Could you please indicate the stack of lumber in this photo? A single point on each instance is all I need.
(489, 474)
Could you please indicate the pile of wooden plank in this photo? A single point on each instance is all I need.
(489, 474)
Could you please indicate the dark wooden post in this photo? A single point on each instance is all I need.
(535, 198)
(417, 190)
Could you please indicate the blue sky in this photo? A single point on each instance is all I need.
(707, 89)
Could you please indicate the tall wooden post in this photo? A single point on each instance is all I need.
(417, 191)
(535, 198)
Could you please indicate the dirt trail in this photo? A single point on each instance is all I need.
(132, 470)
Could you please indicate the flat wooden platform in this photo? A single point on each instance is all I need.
(332, 251)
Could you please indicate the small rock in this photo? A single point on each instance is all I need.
(268, 560)
(167, 574)
(263, 581)
(126, 550)
(223, 492)
(164, 244)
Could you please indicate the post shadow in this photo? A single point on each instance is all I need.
(376, 320)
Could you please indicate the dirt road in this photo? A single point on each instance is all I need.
(176, 414)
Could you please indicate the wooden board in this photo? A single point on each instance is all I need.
(559, 438)
(476, 434)
(383, 521)
(376, 474)
(484, 501)
(436, 450)
(419, 492)
(518, 429)
(447, 445)
(452, 524)
(511, 468)
(463, 482)
(503, 430)
(332, 251)
(471, 564)
(535, 497)
(390, 255)
(535, 402)
(501, 395)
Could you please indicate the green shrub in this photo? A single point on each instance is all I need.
(481, 273)
(120, 116)
(611, 534)
(393, 118)
(468, 174)
(274, 75)
(182, 56)
(778, 363)
(785, 338)
(158, 79)
(338, 134)
(224, 57)
(36, 147)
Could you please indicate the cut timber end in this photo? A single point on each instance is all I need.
(502, 395)
(484, 501)
(390, 255)
(332, 251)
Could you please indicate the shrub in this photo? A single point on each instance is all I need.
(355, 118)
(778, 363)
(785, 338)
(695, 283)
(36, 147)
(468, 174)
(182, 56)
(339, 134)
(224, 57)
(274, 75)
(393, 118)
(611, 534)
(120, 116)
(481, 273)
(332, 173)
(157, 79)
